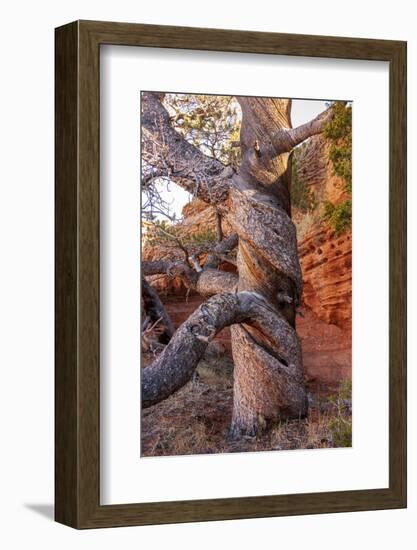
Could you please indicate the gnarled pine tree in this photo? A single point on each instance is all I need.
(260, 302)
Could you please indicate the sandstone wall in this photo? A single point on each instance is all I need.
(326, 262)
(326, 258)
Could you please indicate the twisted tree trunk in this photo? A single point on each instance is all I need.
(268, 371)
(268, 382)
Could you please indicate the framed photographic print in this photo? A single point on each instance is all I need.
(230, 274)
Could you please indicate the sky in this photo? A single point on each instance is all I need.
(302, 111)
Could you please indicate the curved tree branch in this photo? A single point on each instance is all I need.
(220, 251)
(286, 139)
(213, 281)
(206, 282)
(268, 370)
(169, 153)
(176, 364)
(267, 138)
(172, 269)
(157, 267)
(209, 280)
(153, 175)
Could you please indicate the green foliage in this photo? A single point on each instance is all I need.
(339, 217)
(341, 430)
(341, 157)
(341, 424)
(163, 229)
(170, 235)
(339, 132)
(161, 233)
(301, 196)
(345, 390)
(202, 238)
(340, 127)
(211, 123)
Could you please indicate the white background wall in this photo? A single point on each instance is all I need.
(26, 273)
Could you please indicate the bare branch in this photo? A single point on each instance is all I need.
(166, 151)
(172, 269)
(206, 282)
(151, 176)
(195, 263)
(286, 139)
(219, 230)
(176, 364)
(154, 202)
(177, 241)
(213, 281)
(221, 250)
(158, 267)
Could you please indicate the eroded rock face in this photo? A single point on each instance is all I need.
(200, 217)
(196, 206)
(315, 169)
(326, 261)
(325, 257)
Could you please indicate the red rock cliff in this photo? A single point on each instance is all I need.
(326, 258)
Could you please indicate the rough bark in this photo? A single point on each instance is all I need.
(176, 364)
(206, 282)
(219, 229)
(221, 251)
(212, 281)
(173, 156)
(264, 391)
(268, 372)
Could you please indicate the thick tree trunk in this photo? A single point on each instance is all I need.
(268, 375)
(266, 389)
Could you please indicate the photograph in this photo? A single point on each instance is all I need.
(246, 273)
(208, 274)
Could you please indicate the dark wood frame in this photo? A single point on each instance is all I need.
(77, 274)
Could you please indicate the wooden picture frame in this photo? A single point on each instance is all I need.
(77, 374)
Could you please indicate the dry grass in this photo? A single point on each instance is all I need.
(196, 419)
